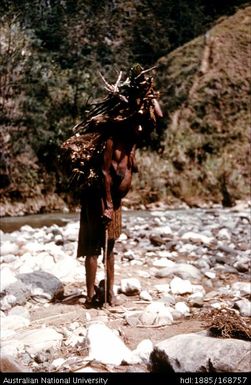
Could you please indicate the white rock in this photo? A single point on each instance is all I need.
(8, 301)
(142, 352)
(9, 258)
(144, 274)
(7, 277)
(26, 229)
(198, 290)
(80, 331)
(132, 317)
(33, 341)
(181, 286)
(156, 213)
(164, 288)
(224, 291)
(165, 254)
(39, 234)
(28, 263)
(242, 206)
(122, 237)
(196, 295)
(116, 289)
(59, 239)
(241, 288)
(39, 295)
(164, 230)
(56, 251)
(14, 322)
(243, 264)
(10, 345)
(182, 270)
(20, 311)
(173, 255)
(6, 334)
(187, 248)
(224, 234)
(244, 306)
(145, 296)
(168, 299)
(129, 254)
(73, 325)
(57, 363)
(196, 237)
(68, 270)
(136, 263)
(182, 308)
(130, 286)
(99, 338)
(86, 369)
(202, 263)
(176, 314)
(9, 248)
(74, 340)
(156, 314)
(70, 231)
(32, 247)
(163, 262)
(44, 338)
(210, 274)
(150, 254)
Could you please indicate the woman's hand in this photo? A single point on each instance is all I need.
(107, 216)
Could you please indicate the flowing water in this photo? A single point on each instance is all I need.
(9, 224)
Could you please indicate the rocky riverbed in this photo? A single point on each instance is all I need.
(176, 272)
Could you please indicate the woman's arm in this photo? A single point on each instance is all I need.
(132, 159)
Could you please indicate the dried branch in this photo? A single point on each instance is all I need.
(145, 71)
(109, 87)
(117, 82)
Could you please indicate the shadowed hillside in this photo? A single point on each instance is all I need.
(205, 92)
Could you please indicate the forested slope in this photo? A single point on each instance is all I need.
(51, 52)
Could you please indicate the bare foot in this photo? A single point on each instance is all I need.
(114, 301)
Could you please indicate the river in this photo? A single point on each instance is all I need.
(9, 224)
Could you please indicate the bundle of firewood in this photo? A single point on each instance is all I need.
(81, 154)
(81, 159)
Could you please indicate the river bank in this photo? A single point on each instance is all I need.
(173, 268)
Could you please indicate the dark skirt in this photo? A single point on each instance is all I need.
(91, 237)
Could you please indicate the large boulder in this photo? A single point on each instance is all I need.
(32, 341)
(200, 353)
(38, 285)
(43, 286)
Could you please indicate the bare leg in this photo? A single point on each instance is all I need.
(91, 269)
